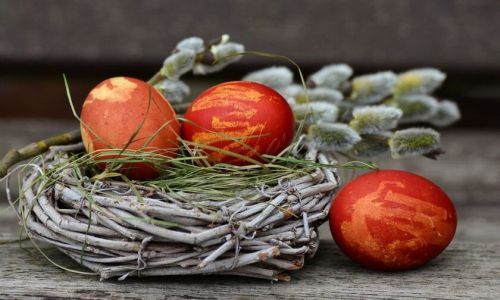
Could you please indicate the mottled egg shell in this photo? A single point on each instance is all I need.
(392, 220)
(113, 112)
(246, 118)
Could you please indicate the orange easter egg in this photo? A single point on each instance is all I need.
(120, 107)
(246, 118)
(392, 220)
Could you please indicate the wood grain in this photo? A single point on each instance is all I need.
(464, 271)
(449, 34)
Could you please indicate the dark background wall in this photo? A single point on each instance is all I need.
(92, 40)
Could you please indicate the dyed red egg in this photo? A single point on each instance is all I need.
(113, 112)
(392, 220)
(241, 117)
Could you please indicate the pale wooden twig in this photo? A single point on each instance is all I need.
(101, 224)
(14, 156)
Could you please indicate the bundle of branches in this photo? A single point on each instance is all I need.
(257, 220)
(362, 116)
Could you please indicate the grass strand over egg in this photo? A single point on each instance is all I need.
(264, 189)
(194, 175)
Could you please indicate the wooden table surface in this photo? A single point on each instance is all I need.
(464, 271)
(469, 268)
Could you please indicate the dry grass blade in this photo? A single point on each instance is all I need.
(232, 218)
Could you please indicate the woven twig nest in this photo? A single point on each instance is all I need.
(109, 228)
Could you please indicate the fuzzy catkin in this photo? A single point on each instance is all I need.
(314, 112)
(319, 94)
(375, 119)
(333, 136)
(331, 76)
(418, 82)
(447, 113)
(273, 77)
(195, 44)
(178, 64)
(417, 108)
(175, 91)
(372, 88)
(413, 141)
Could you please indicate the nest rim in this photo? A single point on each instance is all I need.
(120, 237)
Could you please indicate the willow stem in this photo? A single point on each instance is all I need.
(14, 156)
(157, 77)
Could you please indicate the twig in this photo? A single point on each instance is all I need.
(100, 225)
(14, 156)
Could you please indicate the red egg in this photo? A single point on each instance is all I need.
(392, 220)
(113, 112)
(245, 118)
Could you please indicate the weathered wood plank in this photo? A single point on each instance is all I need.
(464, 271)
(451, 33)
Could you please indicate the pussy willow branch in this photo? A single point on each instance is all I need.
(205, 57)
(14, 156)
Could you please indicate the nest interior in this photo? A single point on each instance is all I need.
(119, 231)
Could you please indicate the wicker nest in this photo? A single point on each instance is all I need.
(117, 233)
